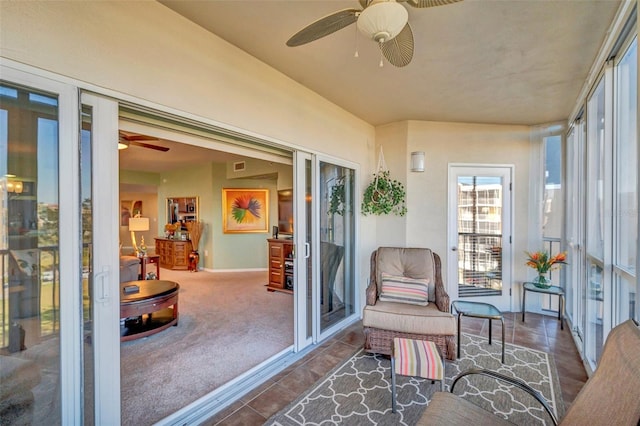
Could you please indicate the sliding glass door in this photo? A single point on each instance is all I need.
(39, 328)
(335, 292)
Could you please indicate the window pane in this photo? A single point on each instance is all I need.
(595, 173)
(626, 195)
(553, 196)
(29, 235)
(337, 240)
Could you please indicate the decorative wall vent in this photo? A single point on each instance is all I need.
(239, 166)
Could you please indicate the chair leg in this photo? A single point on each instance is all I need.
(393, 385)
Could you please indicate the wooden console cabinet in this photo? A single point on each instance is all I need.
(280, 265)
(174, 254)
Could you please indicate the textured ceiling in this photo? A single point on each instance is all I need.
(477, 61)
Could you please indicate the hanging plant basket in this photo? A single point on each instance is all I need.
(384, 195)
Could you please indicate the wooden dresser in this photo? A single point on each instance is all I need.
(174, 254)
(280, 265)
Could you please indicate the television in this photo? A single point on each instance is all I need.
(285, 212)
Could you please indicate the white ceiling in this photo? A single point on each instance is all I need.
(481, 61)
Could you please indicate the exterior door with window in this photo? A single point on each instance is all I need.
(480, 234)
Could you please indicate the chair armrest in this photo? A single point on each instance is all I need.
(372, 294)
(442, 298)
(512, 381)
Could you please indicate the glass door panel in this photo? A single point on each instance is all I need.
(29, 246)
(597, 285)
(336, 295)
(100, 263)
(303, 220)
(480, 233)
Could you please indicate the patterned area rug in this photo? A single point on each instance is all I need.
(358, 392)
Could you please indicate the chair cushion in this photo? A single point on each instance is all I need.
(407, 318)
(448, 409)
(401, 289)
(417, 358)
(406, 262)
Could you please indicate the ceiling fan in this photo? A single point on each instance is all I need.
(383, 21)
(126, 139)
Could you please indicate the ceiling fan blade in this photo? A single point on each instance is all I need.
(324, 26)
(430, 3)
(148, 145)
(135, 137)
(399, 50)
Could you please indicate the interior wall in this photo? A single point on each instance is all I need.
(149, 210)
(194, 181)
(427, 197)
(132, 48)
(391, 230)
(244, 250)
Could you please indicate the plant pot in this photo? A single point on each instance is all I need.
(194, 259)
(541, 281)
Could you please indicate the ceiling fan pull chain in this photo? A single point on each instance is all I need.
(381, 56)
(355, 54)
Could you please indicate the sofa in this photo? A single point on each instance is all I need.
(129, 268)
(385, 317)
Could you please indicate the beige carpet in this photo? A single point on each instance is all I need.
(228, 324)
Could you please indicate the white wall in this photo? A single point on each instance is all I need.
(149, 52)
(391, 229)
(427, 201)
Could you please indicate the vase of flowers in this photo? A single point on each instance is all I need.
(543, 262)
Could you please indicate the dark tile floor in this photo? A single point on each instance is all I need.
(538, 332)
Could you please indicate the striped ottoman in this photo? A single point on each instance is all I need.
(418, 358)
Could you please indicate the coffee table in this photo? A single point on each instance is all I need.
(478, 310)
(149, 310)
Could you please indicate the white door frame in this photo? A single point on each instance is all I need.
(69, 228)
(506, 171)
(106, 275)
(303, 249)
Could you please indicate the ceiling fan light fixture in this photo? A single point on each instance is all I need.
(382, 21)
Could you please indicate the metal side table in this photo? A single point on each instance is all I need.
(553, 290)
(478, 310)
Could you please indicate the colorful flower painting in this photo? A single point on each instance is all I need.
(245, 210)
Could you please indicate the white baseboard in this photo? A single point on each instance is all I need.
(235, 270)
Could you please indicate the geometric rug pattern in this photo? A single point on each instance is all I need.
(358, 391)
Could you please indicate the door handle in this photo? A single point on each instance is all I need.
(307, 250)
(101, 285)
(454, 248)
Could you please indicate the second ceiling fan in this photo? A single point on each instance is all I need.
(125, 139)
(383, 21)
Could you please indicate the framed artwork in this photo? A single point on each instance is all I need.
(245, 210)
(129, 209)
(125, 212)
(136, 208)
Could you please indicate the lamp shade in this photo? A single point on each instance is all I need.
(138, 224)
(417, 161)
(383, 21)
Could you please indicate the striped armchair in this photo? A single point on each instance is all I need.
(385, 319)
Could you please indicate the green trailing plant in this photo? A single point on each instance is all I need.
(384, 196)
(336, 201)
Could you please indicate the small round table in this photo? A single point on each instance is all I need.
(478, 310)
(157, 300)
(553, 290)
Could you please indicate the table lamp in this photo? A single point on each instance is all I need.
(138, 224)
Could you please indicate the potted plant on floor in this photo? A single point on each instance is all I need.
(195, 229)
